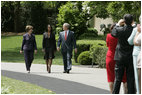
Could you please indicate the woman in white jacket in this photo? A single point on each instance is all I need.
(137, 42)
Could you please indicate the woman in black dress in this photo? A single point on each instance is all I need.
(49, 46)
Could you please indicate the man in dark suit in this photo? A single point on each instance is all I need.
(67, 39)
(123, 55)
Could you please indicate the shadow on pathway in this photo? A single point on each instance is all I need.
(59, 86)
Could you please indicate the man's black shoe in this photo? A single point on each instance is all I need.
(68, 71)
(65, 72)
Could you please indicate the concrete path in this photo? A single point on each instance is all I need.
(81, 80)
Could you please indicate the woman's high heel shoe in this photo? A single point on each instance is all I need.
(49, 69)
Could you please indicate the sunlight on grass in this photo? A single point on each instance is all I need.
(12, 86)
(11, 45)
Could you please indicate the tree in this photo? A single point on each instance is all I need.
(7, 11)
(17, 16)
(98, 8)
(115, 9)
(52, 11)
(74, 14)
(118, 9)
(11, 16)
(34, 14)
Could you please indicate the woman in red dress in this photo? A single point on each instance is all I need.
(110, 63)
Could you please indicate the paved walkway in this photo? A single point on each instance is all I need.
(81, 80)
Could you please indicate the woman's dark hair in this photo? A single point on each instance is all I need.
(112, 26)
(47, 28)
(128, 18)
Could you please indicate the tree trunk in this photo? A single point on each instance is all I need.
(16, 16)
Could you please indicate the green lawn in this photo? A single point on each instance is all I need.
(12, 86)
(11, 45)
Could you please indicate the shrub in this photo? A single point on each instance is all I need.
(58, 30)
(93, 48)
(98, 55)
(84, 45)
(84, 58)
(87, 36)
(80, 48)
(90, 33)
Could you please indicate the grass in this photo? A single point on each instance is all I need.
(12, 86)
(11, 45)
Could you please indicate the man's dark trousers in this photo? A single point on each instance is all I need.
(120, 67)
(67, 60)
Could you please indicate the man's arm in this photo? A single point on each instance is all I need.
(35, 45)
(114, 32)
(74, 42)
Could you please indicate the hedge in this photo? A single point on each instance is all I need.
(84, 45)
(90, 33)
(93, 48)
(98, 55)
(84, 58)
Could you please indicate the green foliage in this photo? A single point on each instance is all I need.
(49, 4)
(118, 9)
(90, 33)
(78, 13)
(84, 58)
(93, 31)
(98, 8)
(7, 16)
(115, 9)
(81, 47)
(73, 14)
(93, 48)
(11, 45)
(58, 30)
(35, 15)
(87, 36)
(12, 86)
(98, 55)
(84, 45)
(17, 14)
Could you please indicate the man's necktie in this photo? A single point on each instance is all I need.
(65, 35)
